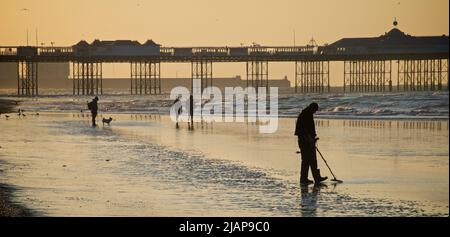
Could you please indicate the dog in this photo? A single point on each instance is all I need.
(107, 121)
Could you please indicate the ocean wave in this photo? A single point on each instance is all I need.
(410, 105)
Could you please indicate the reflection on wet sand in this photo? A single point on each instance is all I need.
(427, 125)
(308, 200)
(436, 125)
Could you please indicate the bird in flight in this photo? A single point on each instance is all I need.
(24, 9)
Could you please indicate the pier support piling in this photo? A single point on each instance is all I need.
(312, 76)
(258, 74)
(367, 76)
(202, 70)
(87, 78)
(145, 77)
(422, 75)
(27, 78)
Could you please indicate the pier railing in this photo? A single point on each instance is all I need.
(364, 70)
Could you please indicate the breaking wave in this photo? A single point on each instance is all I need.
(388, 105)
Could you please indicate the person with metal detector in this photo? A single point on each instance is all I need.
(305, 130)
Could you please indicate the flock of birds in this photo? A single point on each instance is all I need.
(20, 113)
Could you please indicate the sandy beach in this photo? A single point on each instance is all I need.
(142, 166)
(8, 208)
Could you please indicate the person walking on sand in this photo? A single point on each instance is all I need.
(179, 109)
(93, 107)
(305, 130)
(191, 113)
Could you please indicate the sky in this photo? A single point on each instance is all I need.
(215, 23)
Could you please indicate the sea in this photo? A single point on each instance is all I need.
(392, 105)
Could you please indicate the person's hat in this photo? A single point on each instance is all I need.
(314, 106)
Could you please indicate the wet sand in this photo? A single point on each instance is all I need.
(7, 106)
(142, 166)
(7, 206)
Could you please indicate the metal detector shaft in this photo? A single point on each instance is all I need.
(326, 163)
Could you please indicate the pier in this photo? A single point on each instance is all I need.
(421, 63)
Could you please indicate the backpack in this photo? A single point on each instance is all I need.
(89, 105)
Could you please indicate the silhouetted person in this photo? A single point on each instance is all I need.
(177, 102)
(191, 110)
(93, 107)
(305, 129)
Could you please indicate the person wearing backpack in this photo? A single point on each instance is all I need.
(93, 107)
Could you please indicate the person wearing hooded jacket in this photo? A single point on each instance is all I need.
(93, 107)
(305, 130)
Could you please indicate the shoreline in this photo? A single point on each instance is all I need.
(423, 106)
(7, 206)
(320, 117)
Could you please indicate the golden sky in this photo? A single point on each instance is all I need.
(214, 22)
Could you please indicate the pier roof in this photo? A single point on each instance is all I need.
(393, 38)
